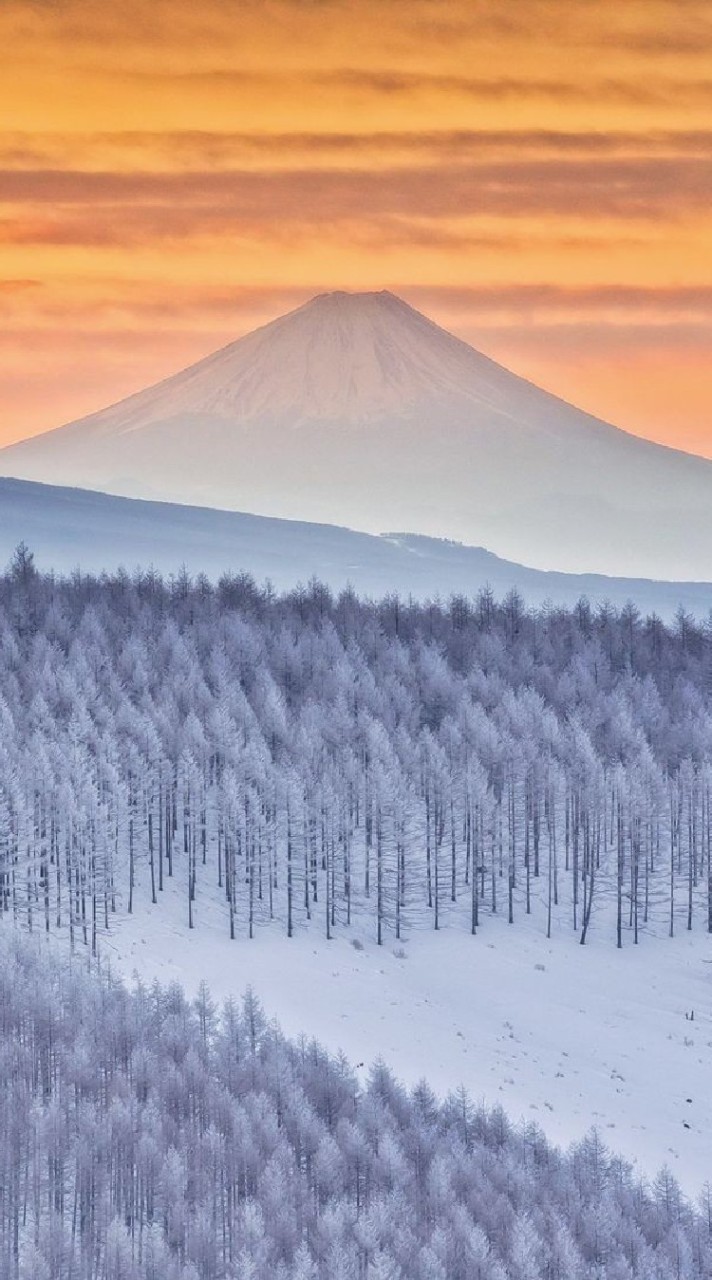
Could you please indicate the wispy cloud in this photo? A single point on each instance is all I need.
(209, 149)
(226, 311)
(18, 286)
(651, 299)
(79, 204)
(655, 90)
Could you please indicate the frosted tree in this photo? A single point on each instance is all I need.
(346, 764)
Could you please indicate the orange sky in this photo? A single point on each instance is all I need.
(536, 176)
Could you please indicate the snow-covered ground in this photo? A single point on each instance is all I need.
(564, 1035)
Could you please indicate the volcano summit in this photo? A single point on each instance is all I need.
(356, 409)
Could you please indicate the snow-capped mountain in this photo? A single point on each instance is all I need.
(356, 409)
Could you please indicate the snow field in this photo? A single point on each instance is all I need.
(559, 1034)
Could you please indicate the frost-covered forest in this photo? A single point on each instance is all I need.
(146, 1137)
(312, 758)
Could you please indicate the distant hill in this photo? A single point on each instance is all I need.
(68, 528)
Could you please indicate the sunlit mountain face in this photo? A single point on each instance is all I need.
(355, 409)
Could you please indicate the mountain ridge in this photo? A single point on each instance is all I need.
(70, 528)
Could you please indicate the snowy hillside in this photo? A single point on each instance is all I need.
(562, 1035)
(355, 409)
(148, 1135)
(75, 528)
(471, 839)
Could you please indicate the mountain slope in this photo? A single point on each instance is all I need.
(355, 409)
(67, 528)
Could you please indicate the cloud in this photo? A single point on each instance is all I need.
(587, 339)
(654, 90)
(71, 206)
(439, 23)
(121, 305)
(693, 38)
(18, 286)
(219, 312)
(545, 296)
(174, 150)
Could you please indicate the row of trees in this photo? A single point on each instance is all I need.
(325, 760)
(143, 1137)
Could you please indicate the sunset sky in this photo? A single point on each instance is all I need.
(535, 175)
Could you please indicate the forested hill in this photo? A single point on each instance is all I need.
(146, 1137)
(76, 528)
(311, 759)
